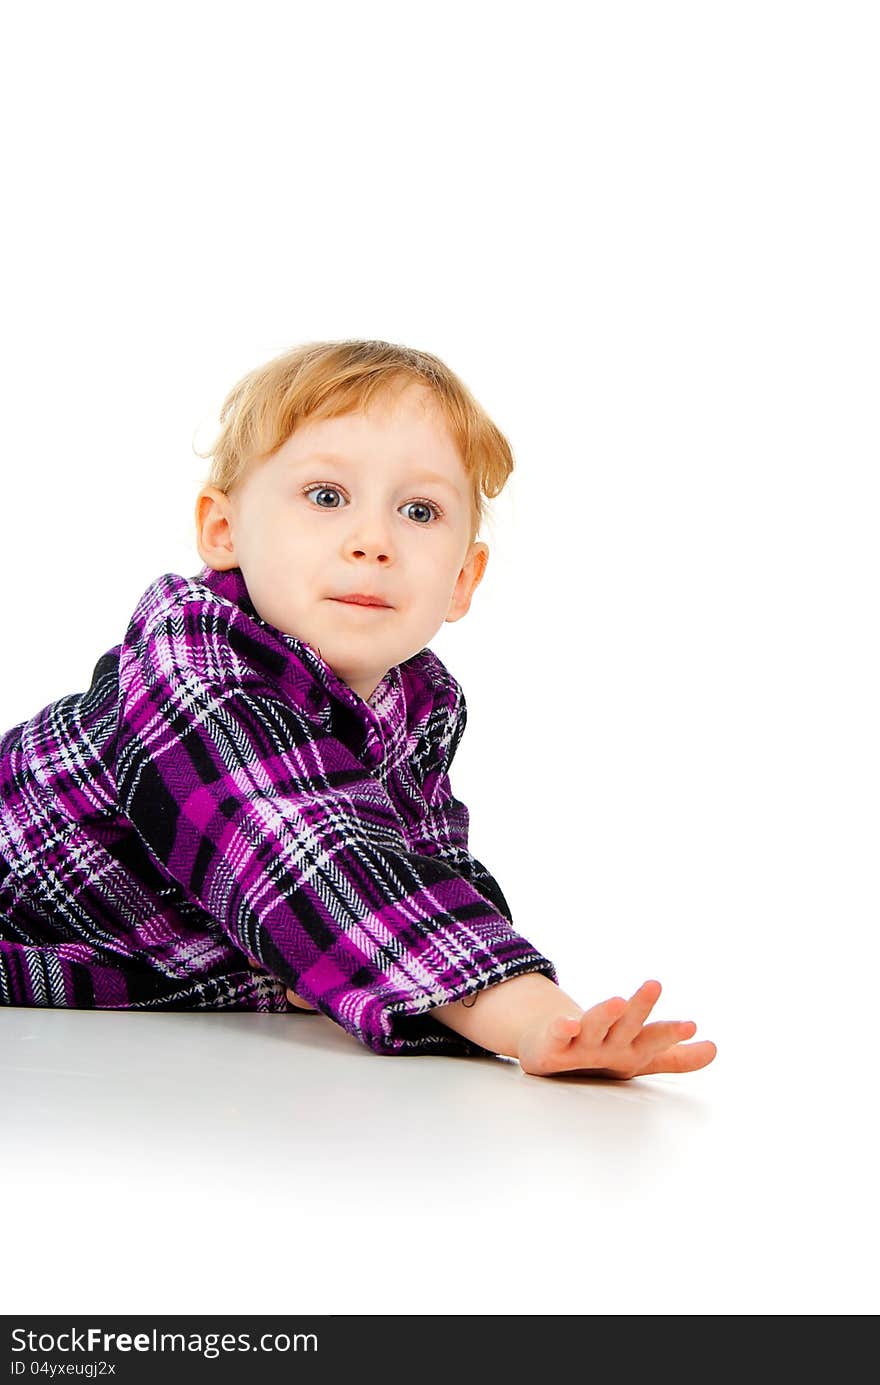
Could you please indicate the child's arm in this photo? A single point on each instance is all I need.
(530, 1018)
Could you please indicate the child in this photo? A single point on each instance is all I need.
(250, 808)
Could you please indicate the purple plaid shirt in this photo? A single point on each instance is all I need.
(218, 791)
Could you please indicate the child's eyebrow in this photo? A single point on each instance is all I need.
(338, 459)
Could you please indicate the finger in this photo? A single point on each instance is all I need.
(563, 1029)
(637, 1011)
(654, 1038)
(299, 1002)
(291, 995)
(681, 1058)
(596, 1022)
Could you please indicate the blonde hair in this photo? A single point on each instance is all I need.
(327, 378)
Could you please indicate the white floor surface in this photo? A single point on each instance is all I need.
(246, 1163)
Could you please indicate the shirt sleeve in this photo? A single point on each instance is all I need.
(446, 830)
(276, 829)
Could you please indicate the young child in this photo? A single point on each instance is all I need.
(250, 808)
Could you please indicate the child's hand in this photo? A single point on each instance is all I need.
(612, 1040)
(291, 995)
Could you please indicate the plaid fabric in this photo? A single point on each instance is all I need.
(217, 792)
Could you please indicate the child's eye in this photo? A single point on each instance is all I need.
(424, 505)
(323, 490)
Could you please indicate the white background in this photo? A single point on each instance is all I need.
(645, 236)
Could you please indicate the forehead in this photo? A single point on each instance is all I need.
(406, 435)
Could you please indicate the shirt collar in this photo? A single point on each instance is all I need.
(413, 695)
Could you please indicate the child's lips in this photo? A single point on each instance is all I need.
(373, 603)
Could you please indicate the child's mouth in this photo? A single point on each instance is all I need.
(370, 602)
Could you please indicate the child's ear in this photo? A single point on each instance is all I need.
(468, 580)
(213, 532)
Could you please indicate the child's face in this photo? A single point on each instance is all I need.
(365, 526)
